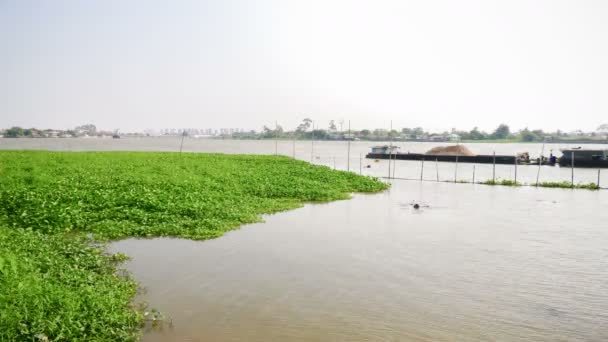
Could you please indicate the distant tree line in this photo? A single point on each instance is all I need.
(305, 130)
(335, 130)
(79, 131)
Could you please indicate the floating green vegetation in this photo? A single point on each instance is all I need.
(55, 288)
(504, 182)
(56, 284)
(568, 185)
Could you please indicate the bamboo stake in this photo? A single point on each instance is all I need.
(473, 173)
(437, 168)
(494, 167)
(456, 170)
(515, 168)
(181, 145)
(312, 143)
(348, 152)
(421, 169)
(390, 150)
(360, 164)
(572, 169)
(394, 164)
(540, 162)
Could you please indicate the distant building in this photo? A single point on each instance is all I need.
(453, 137)
(437, 137)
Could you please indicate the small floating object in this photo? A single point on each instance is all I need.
(417, 205)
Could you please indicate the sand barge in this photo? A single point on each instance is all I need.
(454, 150)
(454, 153)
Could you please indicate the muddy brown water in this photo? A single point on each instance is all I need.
(475, 263)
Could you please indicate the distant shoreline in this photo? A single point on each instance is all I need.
(486, 141)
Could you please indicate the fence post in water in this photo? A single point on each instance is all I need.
(473, 173)
(437, 168)
(276, 139)
(494, 167)
(394, 164)
(360, 164)
(598, 178)
(540, 162)
(516, 169)
(312, 143)
(181, 145)
(390, 150)
(572, 170)
(334, 163)
(294, 146)
(456, 170)
(389, 164)
(421, 169)
(348, 152)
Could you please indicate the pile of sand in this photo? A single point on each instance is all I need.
(450, 151)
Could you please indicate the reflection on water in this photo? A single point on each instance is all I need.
(474, 263)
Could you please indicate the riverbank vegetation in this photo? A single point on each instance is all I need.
(562, 185)
(56, 283)
(568, 185)
(503, 182)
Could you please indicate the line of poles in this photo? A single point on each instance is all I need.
(392, 158)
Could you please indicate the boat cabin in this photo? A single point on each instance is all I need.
(584, 155)
(385, 149)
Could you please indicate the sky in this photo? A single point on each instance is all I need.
(147, 64)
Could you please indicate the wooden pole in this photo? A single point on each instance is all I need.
(421, 169)
(294, 146)
(540, 162)
(437, 168)
(598, 178)
(516, 169)
(348, 152)
(181, 145)
(276, 138)
(360, 164)
(312, 143)
(390, 150)
(334, 163)
(389, 164)
(456, 170)
(572, 169)
(494, 167)
(394, 164)
(473, 173)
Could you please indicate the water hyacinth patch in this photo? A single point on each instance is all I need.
(56, 285)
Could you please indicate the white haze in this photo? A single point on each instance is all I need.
(171, 64)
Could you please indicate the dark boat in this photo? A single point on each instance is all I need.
(390, 152)
(584, 157)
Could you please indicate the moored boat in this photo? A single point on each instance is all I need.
(584, 157)
(447, 154)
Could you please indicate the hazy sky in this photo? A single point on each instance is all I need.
(234, 63)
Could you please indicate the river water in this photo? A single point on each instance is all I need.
(334, 154)
(475, 263)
